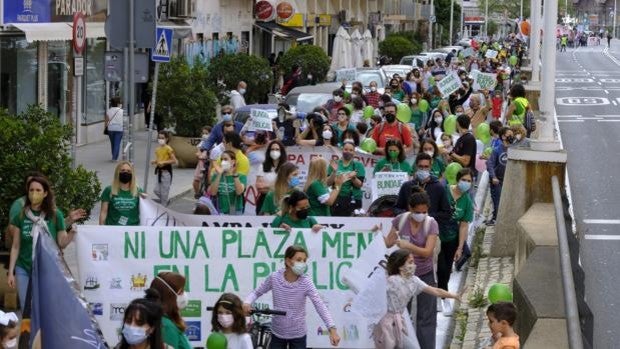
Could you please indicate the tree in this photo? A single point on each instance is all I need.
(224, 73)
(184, 98)
(35, 140)
(311, 59)
(442, 12)
(395, 47)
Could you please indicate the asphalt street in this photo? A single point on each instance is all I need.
(587, 106)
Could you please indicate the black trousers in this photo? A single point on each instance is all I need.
(445, 261)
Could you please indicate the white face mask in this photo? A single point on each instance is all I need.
(226, 320)
(10, 344)
(242, 91)
(408, 270)
(373, 89)
(327, 134)
(431, 153)
(182, 300)
(353, 95)
(275, 154)
(226, 165)
(337, 99)
(414, 101)
(161, 141)
(438, 120)
(418, 217)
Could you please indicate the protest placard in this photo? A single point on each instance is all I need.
(118, 263)
(491, 54)
(345, 75)
(260, 120)
(485, 81)
(449, 84)
(387, 183)
(468, 52)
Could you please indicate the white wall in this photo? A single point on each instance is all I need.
(222, 16)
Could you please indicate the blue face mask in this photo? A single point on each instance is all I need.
(134, 335)
(294, 182)
(422, 175)
(464, 186)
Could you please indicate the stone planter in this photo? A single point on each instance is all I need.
(185, 150)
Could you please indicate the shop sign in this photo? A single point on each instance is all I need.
(264, 10)
(320, 20)
(285, 10)
(50, 11)
(297, 20)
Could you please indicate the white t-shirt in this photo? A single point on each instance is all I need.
(115, 117)
(239, 341)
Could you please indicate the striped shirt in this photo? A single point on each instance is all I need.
(291, 297)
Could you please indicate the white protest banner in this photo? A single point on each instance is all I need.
(449, 84)
(468, 52)
(387, 183)
(154, 214)
(260, 120)
(345, 75)
(301, 156)
(116, 265)
(491, 54)
(485, 81)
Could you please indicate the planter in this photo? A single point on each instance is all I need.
(185, 150)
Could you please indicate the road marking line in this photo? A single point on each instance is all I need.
(569, 116)
(606, 91)
(601, 221)
(600, 83)
(614, 102)
(602, 237)
(609, 121)
(589, 118)
(570, 121)
(607, 115)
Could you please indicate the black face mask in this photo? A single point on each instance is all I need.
(302, 214)
(390, 118)
(510, 139)
(124, 177)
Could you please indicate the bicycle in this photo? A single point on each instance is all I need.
(260, 327)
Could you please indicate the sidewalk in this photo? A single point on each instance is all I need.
(97, 157)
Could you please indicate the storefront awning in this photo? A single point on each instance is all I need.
(57, 31)
(283, 32)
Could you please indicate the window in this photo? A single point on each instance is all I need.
(18, 73)
(94, 84)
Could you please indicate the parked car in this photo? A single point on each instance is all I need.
(464, 42)
(413, 61)
(367, 75)
(399, 69)
(448, 49)
(243, 113)
(434, 55)
(306, 98)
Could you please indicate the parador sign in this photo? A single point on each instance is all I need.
(52, 11)
(69, 7)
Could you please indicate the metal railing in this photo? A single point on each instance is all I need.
(573, 326)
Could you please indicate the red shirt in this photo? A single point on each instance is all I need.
(391, 131)
(497, 106)
(373, 98)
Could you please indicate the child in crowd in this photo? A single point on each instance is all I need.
(502, 316)
(229, 319)
(8, 330)
(164, 159)
(497, 101)
(202, 156)
(290, 287)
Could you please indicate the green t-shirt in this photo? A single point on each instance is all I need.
(288, 220)
(398, 95)
(16, 207)
(226, 196)
(172, 335)
(314, 191)
(462, 211)
(417, 117)
(347, 189)
(392, 166)
(24, 260)
(270, 207)
(123, 208)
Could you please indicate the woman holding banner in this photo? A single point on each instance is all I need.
(350, 195)
(120, 203)
(227, 185)
(295, 213)
(319, 194)
(395, 158)
(286, 180)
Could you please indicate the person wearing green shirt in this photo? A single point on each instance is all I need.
(295, 209)
(397, 91)
(515, 115)
(394, 160)
(120, 202)
(454, 233)
(438, 166)
(286, 180)
(319, 194)
(227, 185)
(350, 196)
(171, 288)
(39, 204)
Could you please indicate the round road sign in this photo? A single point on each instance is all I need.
(79, 32)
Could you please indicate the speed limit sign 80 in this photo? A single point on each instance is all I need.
(79, 32)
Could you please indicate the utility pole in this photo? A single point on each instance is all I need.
(486, 19)
(534, 48)
(430, 25)
(462, 20)
(451, 21)
(615, 14)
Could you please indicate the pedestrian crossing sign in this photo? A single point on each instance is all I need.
(163, 45)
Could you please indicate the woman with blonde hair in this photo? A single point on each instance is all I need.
(319, 194)
(286, 180)
(120, 202)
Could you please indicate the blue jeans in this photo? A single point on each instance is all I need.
(115, 142)
(22, 277)
(496, 192)
(280, 343)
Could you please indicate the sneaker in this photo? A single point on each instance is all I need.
(439, 306)
(447, 307)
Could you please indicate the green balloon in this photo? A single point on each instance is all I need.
(499, 293)
(217, 340)
(369, 111)
(403, 113)
(451, 172)
(369, 145)
(449, 125)
(423, 105)
(487, 151)
(350, 107)
(482, 131)
(513, 60)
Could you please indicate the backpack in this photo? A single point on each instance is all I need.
(427, 226)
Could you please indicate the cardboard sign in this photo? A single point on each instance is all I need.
(492, 54)
(260, 120)
(467, 52)
(345, 74)
(485, 81)
(387, 183)
(449, 84)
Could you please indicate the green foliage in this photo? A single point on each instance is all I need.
(461, 318)
(442, 11)
(184, 97)
(493, 28)
(395, 47)
(311, 59)
(476, 249)
(476, 299)
(230, 69)
(35, 140)
(416, 37)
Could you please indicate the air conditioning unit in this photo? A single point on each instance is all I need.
(181, 8)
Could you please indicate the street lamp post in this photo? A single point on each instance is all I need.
(615, 15)
(486, 19)
(451, 20)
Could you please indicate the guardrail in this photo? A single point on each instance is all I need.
(573, 325)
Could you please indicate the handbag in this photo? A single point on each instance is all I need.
(105, 127)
